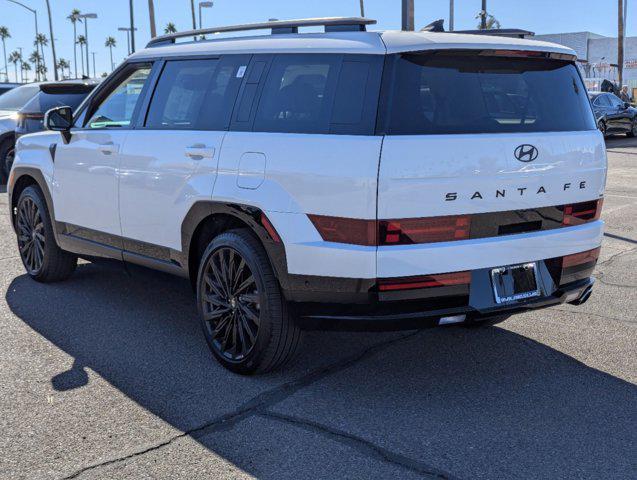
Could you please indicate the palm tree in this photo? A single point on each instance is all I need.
(63, 64)
(35, 58)
(492, 23)
(26, 68)
(4, 34)
(110, 43)
(81, 41)
(170, 28)
(151, 14)
(73, 18)
(15, 57)
(41, 41)
(41, 70)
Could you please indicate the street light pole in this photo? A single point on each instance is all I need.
(362, 8)
(408, 15)
(86, 16)
(55, 68)
(127, 30)
(483, 16)
(451, 15)
(94, 70)
(37, 32)
(132, 27)
(204, 5)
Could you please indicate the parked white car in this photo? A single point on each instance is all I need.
(344, 179)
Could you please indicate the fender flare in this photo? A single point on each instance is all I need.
(249, 215)
(36, 174)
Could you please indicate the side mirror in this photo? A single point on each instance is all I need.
(60, 119)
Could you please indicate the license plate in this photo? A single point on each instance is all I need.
(515, 283)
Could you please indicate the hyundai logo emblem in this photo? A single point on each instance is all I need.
(526, 153)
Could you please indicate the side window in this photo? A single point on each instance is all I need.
(298, 94)
(180, 93)
(195, 94)
(116, 110)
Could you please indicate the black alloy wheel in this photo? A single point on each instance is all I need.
(31, 240)
(602, 127)
(231, 304)
(8, 161)
(43, 260)
(633, 130)
(243, 312)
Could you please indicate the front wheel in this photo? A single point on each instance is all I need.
(633, 130)
(243, 313)
(43, 260)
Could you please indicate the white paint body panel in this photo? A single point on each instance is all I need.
(417, 172)
(85, 188)
(159, 182)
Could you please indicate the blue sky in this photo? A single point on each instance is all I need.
(540, 16)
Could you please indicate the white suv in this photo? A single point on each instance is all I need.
(346, 179)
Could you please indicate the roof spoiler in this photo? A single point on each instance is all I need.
(70, 88)
(331, 24)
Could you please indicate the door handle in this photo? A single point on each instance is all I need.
(199, 152)
(108, 148)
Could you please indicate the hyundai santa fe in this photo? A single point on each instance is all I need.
(346, 179)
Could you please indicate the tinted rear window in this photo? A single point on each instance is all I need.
(468, 93)
(15, 99)
(43, 102)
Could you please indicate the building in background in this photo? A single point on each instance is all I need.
(598, 57)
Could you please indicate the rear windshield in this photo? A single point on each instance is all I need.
(16, 98)
(446, 93)
(43, 102)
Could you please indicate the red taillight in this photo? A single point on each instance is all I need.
(581, 258)
(584, 212)
(428, 281)
(424, 230)
(345, 230)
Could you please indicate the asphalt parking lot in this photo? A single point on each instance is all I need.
(108, 376)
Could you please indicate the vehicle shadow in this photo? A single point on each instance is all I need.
(474, 403)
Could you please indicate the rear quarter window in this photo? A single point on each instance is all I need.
(455, 93)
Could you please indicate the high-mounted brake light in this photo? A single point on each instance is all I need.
(584, 212)
(428, 281)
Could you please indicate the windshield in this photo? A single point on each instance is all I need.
(16, 99)
(455, 93)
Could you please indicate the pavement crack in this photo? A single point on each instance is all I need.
(257, 405)
(362, 445)
(614, 257)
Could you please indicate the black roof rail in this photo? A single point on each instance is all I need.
(331, 24)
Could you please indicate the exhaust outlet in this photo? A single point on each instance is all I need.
(584, 297)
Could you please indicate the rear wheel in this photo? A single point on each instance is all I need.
(602, 128)
(43, 260)
(633, 130)
(243, 313)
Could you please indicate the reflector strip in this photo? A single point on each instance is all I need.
(270, 228)
(428, 281)
(345, 230)
(581, 258)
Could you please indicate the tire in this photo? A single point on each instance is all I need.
(602, 128)
(6, 150)
(43, 260)
(633, 131)
(244, 316)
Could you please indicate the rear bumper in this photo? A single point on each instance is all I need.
(409, 316)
